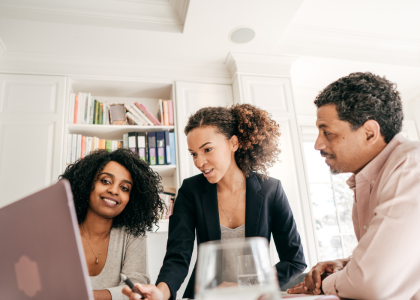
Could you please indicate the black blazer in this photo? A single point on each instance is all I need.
(196, 210)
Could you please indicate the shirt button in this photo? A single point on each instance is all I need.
(364, 227)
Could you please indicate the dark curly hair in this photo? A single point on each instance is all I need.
(257, 133)
(359, 97)
(144, 205)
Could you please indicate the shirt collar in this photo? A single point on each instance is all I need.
(371, 171)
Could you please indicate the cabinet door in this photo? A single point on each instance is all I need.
(31, 133)
(190, 97)
(274, 95)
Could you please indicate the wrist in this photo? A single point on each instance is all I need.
(164, 288)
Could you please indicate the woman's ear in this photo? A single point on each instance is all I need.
(234, 142)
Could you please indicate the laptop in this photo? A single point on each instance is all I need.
(41, 253)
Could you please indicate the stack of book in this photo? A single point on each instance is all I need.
(78, 146)
(168, 197)
(158, 148)
(86, 110)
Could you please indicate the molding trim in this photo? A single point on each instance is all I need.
(343, 44)
(35, 63)
(97, 18)
(181, 7)
(257, 64)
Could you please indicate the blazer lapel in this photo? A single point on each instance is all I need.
(254, 203)
(211, 211)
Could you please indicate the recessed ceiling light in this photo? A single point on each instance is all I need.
(242, 35)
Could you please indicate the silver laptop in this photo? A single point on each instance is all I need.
(41, 253)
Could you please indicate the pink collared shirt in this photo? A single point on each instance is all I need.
(386, 219)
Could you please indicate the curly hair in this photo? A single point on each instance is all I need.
(144, 205)
(359, 97)
(257, 133)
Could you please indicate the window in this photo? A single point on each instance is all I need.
(332, 203)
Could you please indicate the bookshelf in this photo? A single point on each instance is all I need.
(127, 92)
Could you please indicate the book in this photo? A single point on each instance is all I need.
(92, 111)
(86, 111)
(108, 145)
(88, 145)
(148, 114)
(96, 117)
(142, 114)
(114, 145)
(172, 147)
(71, 108)
(170, 113)
(165, 113)
(101, 144)
(141, 145)
(83, 147)
(79, 147)
(160, 112)
(69, 145)
(125, 140)
(132, 141)
(101, 113)
(73, 148)
(76, 109)
(133, 118)
(81, 109)
(151, 144)
(138, 114)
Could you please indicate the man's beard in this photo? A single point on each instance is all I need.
(335, 171)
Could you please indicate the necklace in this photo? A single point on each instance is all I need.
(237, 204)
(97, 256)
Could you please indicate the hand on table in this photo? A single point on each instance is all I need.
(150, 292)
(313, 280)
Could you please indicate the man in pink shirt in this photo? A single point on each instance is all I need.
(359, 118)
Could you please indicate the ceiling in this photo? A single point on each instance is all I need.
(330, 37)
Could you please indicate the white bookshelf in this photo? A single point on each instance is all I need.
(127, 92)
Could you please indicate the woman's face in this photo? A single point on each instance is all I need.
(111, 191)
(212, 153)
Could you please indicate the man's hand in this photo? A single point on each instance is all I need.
(299, 288)
(150, 292)
(313, 279)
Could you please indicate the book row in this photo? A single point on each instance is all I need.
(84, 109)
(158, 148)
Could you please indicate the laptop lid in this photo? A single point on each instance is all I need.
(41, 253)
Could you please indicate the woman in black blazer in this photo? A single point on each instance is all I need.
(232, 147)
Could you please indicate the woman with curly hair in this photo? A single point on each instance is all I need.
(232, 198)
(116, 197)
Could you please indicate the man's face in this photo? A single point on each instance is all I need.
(342, 148)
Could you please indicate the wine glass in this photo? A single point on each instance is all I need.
(235, 269)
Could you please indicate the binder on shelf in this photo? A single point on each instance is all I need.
(151, 141)
(168, 157)
(170, 112)
(142, 145)
(172, 147)
(132, 141)
(160, 145)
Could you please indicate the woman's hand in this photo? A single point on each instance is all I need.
(149, 291)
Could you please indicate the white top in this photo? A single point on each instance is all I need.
(126, 254)
(230, 257)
